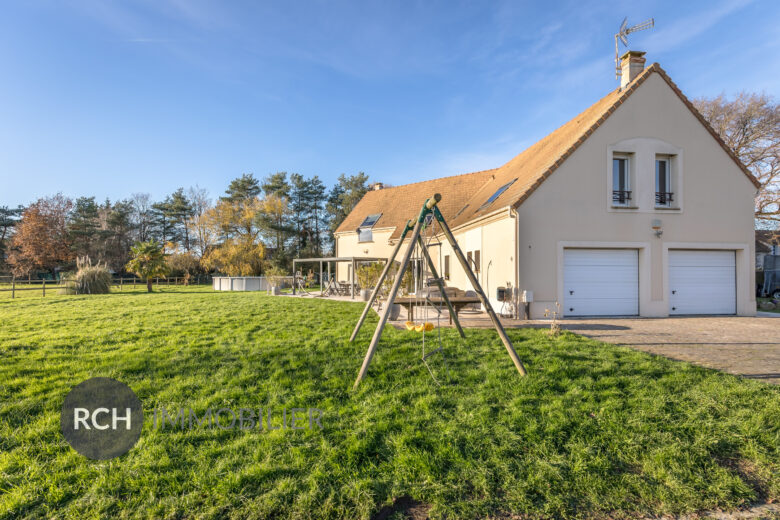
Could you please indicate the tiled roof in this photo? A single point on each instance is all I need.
(538, 162)
(401, 203)
(526, 171)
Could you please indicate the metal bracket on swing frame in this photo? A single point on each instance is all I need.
(429, 208)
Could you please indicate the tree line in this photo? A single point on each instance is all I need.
(256, 225)
(265, 223)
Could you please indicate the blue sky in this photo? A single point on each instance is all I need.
(108, 98)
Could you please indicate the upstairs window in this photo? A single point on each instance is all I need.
(497, 194)
(364, 231)
(621, 189)
(663, 182)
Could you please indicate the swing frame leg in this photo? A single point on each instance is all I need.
(440, 284)
(480, 294)
(379, 282)
(390, 299)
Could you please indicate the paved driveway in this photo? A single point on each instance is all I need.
(749, 347)
(745, 346)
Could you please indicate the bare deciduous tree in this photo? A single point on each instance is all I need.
(142, 216)
(204, 238)
(750, 125)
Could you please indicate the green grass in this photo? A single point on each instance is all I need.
(595, 430)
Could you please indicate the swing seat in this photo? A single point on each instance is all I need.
(427, 326)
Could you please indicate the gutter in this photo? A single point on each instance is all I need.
(516, 299)
(497, 213)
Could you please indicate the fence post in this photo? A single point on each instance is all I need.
(13, 289)
(121, 281)
(44, 287)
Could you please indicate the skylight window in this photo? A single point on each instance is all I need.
(364, 231)
(370, 220)
(497, 194)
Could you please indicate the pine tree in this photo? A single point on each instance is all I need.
(343, 198)
(300, 208)
(242, 188)
(9, 218)
(180, 211)
(317, 200)
(84, 228)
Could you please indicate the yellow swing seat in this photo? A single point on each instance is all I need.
(419, 327)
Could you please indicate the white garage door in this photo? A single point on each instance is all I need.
(600, 282)
(702, 282)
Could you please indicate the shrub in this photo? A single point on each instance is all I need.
(368, 275)
(406, 281)
(89, 279)
(275, 275)
(182, 264)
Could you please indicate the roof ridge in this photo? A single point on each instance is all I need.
(706, 124)
(654, 67)
(556, 162)
(438, 179)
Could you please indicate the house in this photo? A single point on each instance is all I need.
(767, 243)
(635, 207)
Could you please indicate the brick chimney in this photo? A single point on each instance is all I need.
(632, 63)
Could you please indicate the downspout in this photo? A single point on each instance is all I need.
(516, 291)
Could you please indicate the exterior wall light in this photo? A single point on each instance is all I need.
(656, 225)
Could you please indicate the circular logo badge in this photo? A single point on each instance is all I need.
(101, 418)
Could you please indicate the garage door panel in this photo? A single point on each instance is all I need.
(680, 258)
(600, 291)
(601, 282)
(702, 282)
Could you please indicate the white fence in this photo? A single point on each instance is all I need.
(246, 283)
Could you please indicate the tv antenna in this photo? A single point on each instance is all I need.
(622, 36)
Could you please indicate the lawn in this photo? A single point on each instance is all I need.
(595, 430)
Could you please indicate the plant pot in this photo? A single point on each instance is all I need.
(276, 290)
(395, 312)
(365, 294)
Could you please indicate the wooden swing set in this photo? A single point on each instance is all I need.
(428, 208)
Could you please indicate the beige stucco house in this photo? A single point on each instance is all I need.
(634, 207)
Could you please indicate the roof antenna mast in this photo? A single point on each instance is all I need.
(622, 36)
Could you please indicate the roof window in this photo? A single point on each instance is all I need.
(497, 194)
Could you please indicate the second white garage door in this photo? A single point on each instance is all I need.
(600, 282)
(702, 282)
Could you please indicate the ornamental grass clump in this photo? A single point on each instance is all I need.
(89, 279)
